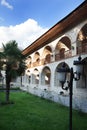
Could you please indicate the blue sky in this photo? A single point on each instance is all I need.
(31, 18)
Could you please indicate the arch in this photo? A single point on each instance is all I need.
(36, 59)
(36, 56)
(46, 76)
(29, 62)
(82, 40)
(35, 76)
(47, 52)
(63, 48)
(28, 72)
(56, 82)
(29, 75)
(82, 83)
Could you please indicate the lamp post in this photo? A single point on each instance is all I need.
(62, 72)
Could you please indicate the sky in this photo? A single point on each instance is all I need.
(26, 20)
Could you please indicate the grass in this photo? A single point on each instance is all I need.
(33, 113)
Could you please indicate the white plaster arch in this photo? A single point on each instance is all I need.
(63, 48)
(81, 40)
(46, 75)
(35, 76)
(57, 83)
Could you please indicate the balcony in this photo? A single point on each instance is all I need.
(82, 49)
(63, 55)
(51, 58)
(58, 56)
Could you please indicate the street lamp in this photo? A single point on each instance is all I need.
(62, 72)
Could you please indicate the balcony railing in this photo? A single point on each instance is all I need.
(82, 48)
(59, 56)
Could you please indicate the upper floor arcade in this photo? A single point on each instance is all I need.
(65, 39)
(64, 47)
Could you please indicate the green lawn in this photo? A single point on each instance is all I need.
(32, 113)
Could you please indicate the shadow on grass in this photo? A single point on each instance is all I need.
(6, 103)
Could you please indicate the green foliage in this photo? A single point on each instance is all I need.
(13, 59)
(32, 113)
(13, 56)
(21, 68)
(11, 50)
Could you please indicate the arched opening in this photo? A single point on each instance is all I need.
(56, 82)
(36, 59)
(82, 40)
(29, 62)
(35, 76)
(82, 83)
(47, 52)
(28, 73)
(46, 76)
(63, 48)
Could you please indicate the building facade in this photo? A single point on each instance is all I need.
(64, 42)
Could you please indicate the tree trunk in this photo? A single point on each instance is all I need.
(7, 92)
(8, 80)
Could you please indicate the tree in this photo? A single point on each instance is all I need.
(13, 61)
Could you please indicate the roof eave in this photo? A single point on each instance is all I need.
(78, 15)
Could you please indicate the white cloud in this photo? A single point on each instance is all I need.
(5, 3)
(24, 33)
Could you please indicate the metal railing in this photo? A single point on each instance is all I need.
(64, 55)
(82, 49)
(59, 56)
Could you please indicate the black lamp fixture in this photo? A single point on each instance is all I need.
(62, 73)
(79, 68)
